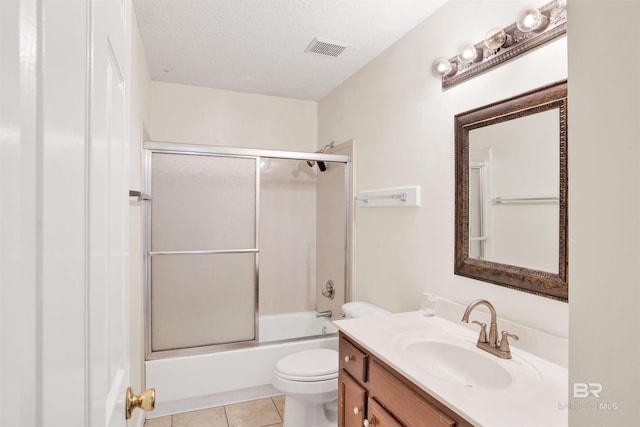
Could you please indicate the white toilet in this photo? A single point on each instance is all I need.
(309, 379)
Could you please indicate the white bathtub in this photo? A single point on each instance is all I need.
(275, 327)
(195, 382)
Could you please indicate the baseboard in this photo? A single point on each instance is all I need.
(212, 400)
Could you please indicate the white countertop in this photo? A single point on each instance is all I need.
(540, 405)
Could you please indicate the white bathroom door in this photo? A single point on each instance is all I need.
(107, 214)
(63, 213)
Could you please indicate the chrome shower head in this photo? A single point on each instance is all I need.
(321, 165)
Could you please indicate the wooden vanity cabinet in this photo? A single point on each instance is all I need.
(372, 394)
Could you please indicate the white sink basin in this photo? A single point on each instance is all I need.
(459, 365)
(457, 360)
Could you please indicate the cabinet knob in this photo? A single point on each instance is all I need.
(348, 359)
(366, 423)
(356, 410)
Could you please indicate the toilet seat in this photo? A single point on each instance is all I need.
(309, 366)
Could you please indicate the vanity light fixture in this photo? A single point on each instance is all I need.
(444, 68)
(468, 54)
(533, 28)
(497, 38)
(531, 20)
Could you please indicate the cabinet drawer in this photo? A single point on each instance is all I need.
(405, 405)
(353, 360)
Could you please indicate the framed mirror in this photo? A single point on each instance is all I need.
(511, 192)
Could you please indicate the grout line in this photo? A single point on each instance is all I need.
(226, 417)
(277, 409)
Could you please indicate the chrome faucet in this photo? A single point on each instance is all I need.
(490, 343)
(326, 313)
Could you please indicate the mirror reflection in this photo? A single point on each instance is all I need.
(511, 192)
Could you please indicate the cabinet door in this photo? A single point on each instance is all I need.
(351, 402)
(378, 417)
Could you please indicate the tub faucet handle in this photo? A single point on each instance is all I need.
(329, 290)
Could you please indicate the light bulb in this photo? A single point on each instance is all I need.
(468, 53)
(444, 68)
(496, 38)
(531, 20)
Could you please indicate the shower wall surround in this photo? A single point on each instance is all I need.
(287, 224)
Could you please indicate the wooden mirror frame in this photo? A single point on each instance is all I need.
(542, 283)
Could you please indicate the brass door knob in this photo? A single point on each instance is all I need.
(146, 401)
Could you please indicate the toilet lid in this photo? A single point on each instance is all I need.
(309, 365)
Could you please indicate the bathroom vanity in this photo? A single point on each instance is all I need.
(408, 370)
(371, 393)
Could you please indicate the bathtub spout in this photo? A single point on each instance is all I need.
(326, 313)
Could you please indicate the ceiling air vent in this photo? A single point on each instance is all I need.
(325, 47)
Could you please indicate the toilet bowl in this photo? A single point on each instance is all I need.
(309, 379)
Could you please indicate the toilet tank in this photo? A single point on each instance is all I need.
(362, 309)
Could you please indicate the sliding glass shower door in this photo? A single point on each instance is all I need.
(203, 250)
(239, 244)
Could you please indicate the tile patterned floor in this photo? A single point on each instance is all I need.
(267, 412)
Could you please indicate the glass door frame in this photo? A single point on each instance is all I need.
(150, 148)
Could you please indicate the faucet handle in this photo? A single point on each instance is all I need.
(483, 331)
(504, 342)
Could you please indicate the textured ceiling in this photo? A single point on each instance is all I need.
(258, 45)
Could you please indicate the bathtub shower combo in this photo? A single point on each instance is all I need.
(241, 246)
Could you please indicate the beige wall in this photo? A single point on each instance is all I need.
(604, 208)
(402, 122)
(197, 115)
